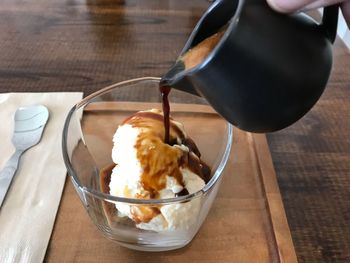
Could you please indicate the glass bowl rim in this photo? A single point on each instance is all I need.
(110, 198)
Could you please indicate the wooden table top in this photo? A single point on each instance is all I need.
(86, 45)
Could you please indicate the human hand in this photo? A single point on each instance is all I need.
(288, 6)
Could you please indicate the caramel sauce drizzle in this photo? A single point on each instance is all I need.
(143, 214)
(157, 158)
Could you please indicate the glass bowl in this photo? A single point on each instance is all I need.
(87, 147)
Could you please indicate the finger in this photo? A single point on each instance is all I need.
(288, 6)
(321, 3)
(345, 8)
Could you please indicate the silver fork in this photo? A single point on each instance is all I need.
(29, 124)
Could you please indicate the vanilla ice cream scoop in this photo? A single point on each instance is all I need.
(148, 168)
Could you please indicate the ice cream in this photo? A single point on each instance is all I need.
(148, 168)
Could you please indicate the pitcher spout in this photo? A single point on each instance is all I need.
(175, 78)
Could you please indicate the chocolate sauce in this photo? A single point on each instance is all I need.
(165, 90)
(191, 146)
(192, 159)
(183, 192)
(196, 165)
(205, 172)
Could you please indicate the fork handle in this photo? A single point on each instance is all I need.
(7, 173)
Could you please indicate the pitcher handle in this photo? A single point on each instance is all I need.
(330, 21)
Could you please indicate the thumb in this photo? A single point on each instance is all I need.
(346, 12)
(288, 6)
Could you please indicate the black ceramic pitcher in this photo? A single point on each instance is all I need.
(267, 70)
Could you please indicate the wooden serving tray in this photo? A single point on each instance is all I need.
(247, 222)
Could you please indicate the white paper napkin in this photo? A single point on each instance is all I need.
(28, 213)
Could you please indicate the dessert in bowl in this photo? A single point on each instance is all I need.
(143, 192)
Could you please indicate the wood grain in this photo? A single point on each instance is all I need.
(85, 45)
(312, 161)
